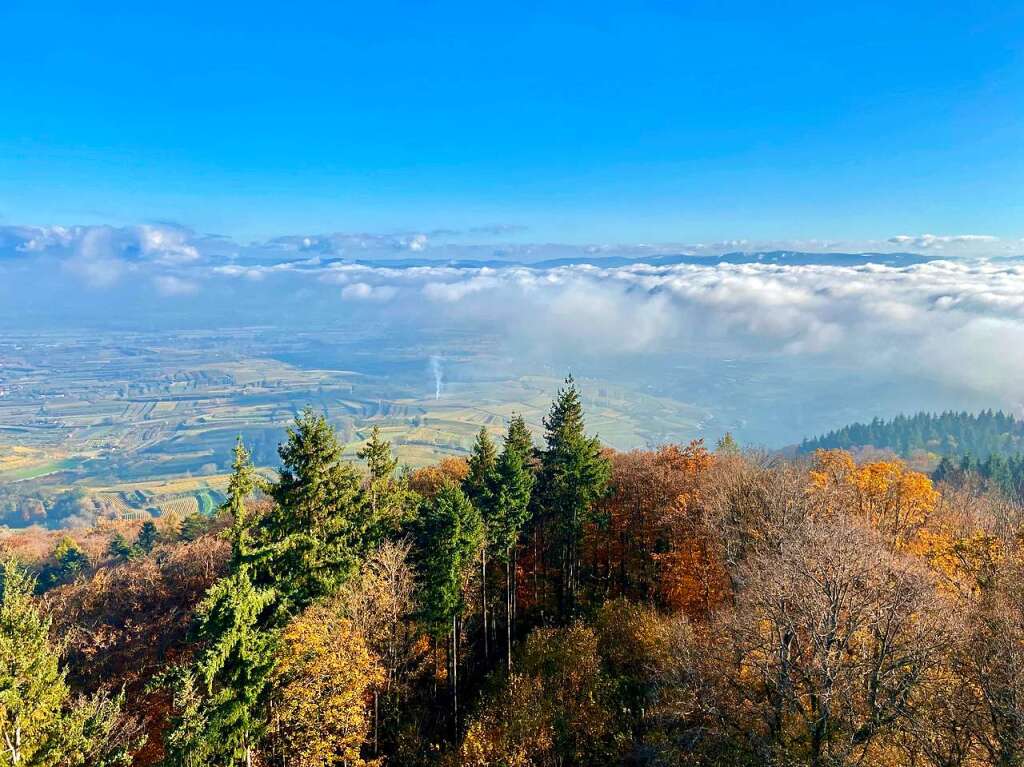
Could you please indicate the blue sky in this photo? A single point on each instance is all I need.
(579, 122)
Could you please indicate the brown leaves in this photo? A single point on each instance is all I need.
(651, 540)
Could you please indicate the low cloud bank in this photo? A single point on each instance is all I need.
(951, 321)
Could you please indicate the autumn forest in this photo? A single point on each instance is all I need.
(545, 602)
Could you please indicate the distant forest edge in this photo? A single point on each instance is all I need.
(948, 434)
(989, 445)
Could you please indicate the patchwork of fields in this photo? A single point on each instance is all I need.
(147, 422)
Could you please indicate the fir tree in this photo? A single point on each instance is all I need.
(377, 454)
(385, 494)
(479, 487)
(574, 475)
(482, 461)
(513, 487)
(121, 550)
(450, 533)
(187, 743)
(71, 562)
(147, 536)
(69, 555)
(225, 719)
(520, 439)
(727, 445)
(312, 538)
(242, 484)
(39, 722)
(235, 667)
(32, 686)
(194, 526)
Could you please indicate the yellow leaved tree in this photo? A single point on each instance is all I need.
(892, 498)
(324, 679)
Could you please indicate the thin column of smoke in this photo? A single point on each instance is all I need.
(435, 368)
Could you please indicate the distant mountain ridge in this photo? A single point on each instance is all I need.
(948, 434)
(773, 257)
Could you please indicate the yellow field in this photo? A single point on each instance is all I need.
(172, 486)
(15, 458)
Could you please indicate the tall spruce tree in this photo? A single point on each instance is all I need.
(241, 485)
(479, 487)
(450, 532)
(513, 487)
(32, 686)
(377, 454)
(574, 475)
(235, 666)
(311, 540)
(385, 494)
(187, 742)
(483, 459)
(301, 550)
(237, 659)
(148, 536)
(519, 438)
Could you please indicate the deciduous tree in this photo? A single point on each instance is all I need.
(323, 681)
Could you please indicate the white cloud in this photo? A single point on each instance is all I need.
(926, 241)
(169, 285)
(361, 291)
(169, 245)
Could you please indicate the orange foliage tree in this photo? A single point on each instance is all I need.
(650, 540)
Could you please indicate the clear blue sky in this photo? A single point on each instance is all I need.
(638, 121)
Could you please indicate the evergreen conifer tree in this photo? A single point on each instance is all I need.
(235, 666)
(479, 487)
(574, 475)
(450, 534)
(242, 484)
(479, 482)
(385, 494)
(121, 550)
(147, 536)
(513, 487)
(237, 660)
(187, 742)
(194, 526)
(312, 538)
(39, 722)
(377, 454)
(32, 686)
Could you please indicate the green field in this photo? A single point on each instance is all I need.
(208, 502)
(39, 470)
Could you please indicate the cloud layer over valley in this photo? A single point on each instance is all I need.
(946, 311)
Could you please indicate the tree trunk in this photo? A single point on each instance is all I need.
(515, 584)
(376, 721)
(483, 596)
(455, 675)
(508, 606)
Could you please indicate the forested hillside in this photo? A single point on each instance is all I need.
(555, 604)
(945, 434)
